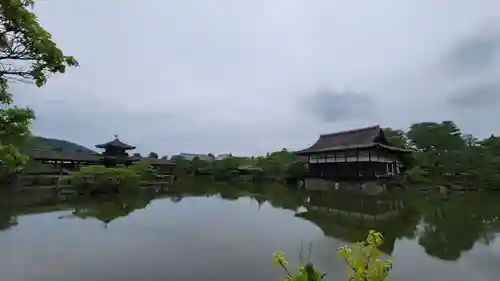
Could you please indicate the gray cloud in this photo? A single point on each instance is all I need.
(481, 95)
(226, 76)
(474, 62)
(477, 52)
(331, 106)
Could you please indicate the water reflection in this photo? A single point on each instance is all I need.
(445, 227)
(109, 208)
(349, 217)
(451, 227)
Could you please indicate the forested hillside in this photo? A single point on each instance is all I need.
(48, 143)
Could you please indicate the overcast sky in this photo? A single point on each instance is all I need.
(251, 76)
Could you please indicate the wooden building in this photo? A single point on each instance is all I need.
(361, 154)
(115, 153)
(115, 148)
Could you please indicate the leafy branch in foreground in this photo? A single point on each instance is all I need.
(303, 273)
(363, 262)
(27, 51)
(27, 54)
(363, 259)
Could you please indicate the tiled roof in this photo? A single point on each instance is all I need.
(115, 143)
(191, 156)
(223, 156)
(47, 154)
(359, 138)
(154, 161)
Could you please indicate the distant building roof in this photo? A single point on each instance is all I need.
(115, 143)
(359, 138)
(53, 155)
(47, 154)
(223, 156)
(250, 168)
(154, 161)
(192, 156)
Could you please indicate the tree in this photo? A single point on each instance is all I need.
(164, 157)
(492, 144)
(396, 137)
(181, 164)
(470, 140)
(27, 51)
(153, 155)
(434, 136)
(14, 130)
(198, 164)
(28, 54)
(444, 155)
(225, 168)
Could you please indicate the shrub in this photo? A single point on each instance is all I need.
(362, 260)
(145, 171)
(304, 272)
(99, 179)
(416, 175)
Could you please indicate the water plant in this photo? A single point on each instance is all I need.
(363, 262)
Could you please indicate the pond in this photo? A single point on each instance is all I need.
(230, 232)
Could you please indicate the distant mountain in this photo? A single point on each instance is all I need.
(56, 144)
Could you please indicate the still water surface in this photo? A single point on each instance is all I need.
(232, 236)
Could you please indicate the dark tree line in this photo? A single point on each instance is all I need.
(281, 165)
(445, 155)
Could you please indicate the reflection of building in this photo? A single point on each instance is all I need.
(360, 154)
(115, 152)
(110, 209)
(350, 217)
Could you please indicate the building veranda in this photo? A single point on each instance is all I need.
(115, 153)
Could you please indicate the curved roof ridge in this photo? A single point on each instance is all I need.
(116, 143)
(350, 131)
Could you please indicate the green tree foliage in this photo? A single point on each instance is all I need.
(181, 165)
(281, 165)
(145, 171)
(27, 53)
(443, 154)
(27, 50)
(153, 155)
(226, 168)
(97, 179)
(200, 165)
(396, 137)
(14, 131)
(295, 171)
